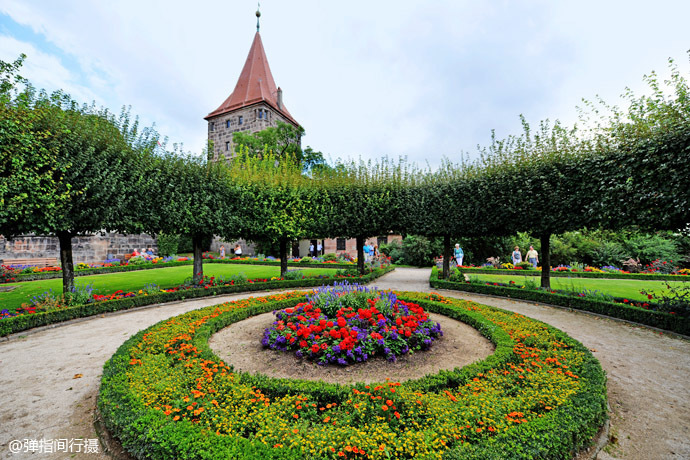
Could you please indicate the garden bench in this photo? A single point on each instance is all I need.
(36, 261)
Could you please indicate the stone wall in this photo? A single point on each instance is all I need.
(88, 249)
(221, 134)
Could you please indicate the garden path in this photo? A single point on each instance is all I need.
(49, 378)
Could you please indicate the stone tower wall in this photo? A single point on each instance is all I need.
(221, 134)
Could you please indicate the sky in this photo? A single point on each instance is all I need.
(421, 80)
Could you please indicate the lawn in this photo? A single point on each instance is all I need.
(629, 289)
(135, 280)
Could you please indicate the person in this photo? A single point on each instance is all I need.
(222, 251)
(135, 253)
(238, 250)
(149, 251)
(459, 254)
(319, 249)
(532, 256)
(311, 250)
(516, 255)
(375, 251)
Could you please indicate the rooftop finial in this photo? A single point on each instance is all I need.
(258, 15)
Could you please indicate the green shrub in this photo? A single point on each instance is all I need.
(306, 260)
(168, 244)
(331, 256)
(293, 275)
(419, 251)
(648, 248)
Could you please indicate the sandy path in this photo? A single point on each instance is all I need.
(649, 374)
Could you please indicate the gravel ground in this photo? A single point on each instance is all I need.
(49, 379)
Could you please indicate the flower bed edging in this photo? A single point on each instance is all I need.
(24, 322)
(651, 318)
(556, 274)
(99, 271)
(181, 343)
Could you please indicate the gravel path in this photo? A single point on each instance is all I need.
(49, 379)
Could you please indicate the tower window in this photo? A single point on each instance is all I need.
(340, 244)
(227, 146)
(239, 121)
(212, 126)
(261, 114)
(227, 124)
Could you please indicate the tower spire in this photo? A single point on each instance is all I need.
(258, 15)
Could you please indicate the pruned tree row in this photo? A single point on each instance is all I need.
(67, 170)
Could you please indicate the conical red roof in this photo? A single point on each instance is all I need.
(255, 84)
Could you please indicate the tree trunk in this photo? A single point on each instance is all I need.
(65, 239)
(360, 255)
(446, 256)
(283, 256)
(546, 260)
(198, 259)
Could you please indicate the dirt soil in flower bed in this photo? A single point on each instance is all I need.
(240, 345)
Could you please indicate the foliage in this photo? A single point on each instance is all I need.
(675, 301)
(419, 250)
(167, 244)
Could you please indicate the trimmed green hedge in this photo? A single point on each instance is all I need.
(614, 276)
(277, 262)
(149, 433)
(24, 322)
(128, 268)
(652, 318)
(98, 271)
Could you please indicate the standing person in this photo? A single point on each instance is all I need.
(238, 250)
(319, 249)
(375, 251)
(459, 254)
(222, 251)
(516, 256)
(311, 250)
(532, 256)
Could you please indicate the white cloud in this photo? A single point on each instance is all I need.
(363, 78)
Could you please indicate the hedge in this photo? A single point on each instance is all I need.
(652, 318)
(148, 432)
(23, 322)
(127, 268)
(608, 275)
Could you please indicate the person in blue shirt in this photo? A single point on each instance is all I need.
(457, 252)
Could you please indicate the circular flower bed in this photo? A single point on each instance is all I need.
(348, 324)
(164, 394)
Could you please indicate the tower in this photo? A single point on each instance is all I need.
(255, 104)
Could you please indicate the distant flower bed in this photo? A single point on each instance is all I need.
(85, 294)
(348, 324)
(12, 273)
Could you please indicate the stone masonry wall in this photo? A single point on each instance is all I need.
(221, 134)
(88, 249)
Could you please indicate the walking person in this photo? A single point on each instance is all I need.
(238, 250)
(311, 250)
(516, 256)
(222, 251)
(319, 249)
(532, 256)
(459, 254)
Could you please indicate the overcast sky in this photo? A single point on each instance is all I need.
(365, 79)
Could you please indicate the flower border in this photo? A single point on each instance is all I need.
(149, 432)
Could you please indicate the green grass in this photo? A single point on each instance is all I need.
(135, 280)
(629, 289)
